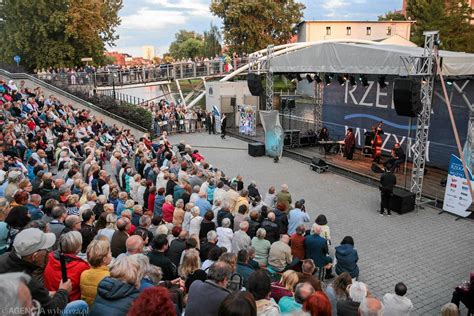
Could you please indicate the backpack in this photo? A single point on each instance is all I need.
(236, 283)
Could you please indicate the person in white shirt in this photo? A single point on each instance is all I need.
(225, 235)
(397, 304)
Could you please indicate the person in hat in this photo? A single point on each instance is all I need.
(30, 255)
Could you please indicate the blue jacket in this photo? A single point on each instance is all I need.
(316, 248)
(159, 200)
(114, 297)
(347, 260)
(244, 270)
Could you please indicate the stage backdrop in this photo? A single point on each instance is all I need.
(361, 107)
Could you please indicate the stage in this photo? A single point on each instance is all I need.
(360, 167)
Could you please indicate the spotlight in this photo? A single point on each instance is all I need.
(298, 77)
(364, 80)
(341, 80)
(317, 78)
(309, 78)
(449, 82)
(352, 81)
(382, 82)
(327, 79)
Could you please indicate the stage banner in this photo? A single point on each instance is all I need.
(457, 197)
(273, 133)
(248, 120)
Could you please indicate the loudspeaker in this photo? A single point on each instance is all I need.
(255, 84)
(233, 102)
(318, 162)
(376, 168)
(402, 201)
(256, 149)
(406, 97)
(291, 103)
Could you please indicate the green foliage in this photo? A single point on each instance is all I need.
(451, 18)
(127, 111)
(252, 25)
(212, 42)
(392, 16)
(188, 44)
(57, 33)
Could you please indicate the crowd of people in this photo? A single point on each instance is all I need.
(95, 222)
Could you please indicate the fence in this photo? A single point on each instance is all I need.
(136, 75)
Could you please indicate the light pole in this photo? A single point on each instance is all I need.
(114, 75)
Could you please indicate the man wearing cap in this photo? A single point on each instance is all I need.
(297, 217)
(30, 254)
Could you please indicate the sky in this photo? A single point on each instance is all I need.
(154, 22)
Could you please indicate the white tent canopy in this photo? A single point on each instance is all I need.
(351, 58)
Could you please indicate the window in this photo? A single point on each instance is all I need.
(328, 30)
(389, 30)
(348, 30)
(369, 30)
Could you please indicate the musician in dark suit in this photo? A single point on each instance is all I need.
(387, 182)
(349, 144)
(398, 157)
(211, 123)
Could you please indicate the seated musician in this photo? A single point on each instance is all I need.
(397, 157)
(324, 136)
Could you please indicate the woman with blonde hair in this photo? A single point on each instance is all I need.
(190, 268)
(85, 191)
(116, 293)
(110, 227)
(286, 286)
(99, 257)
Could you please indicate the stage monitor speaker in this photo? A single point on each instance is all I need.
(254, 83)
(233, 101)
(318, 162)
(402, 201)
(376, 168)
(406, 97)
(256, 149)
(291, 104)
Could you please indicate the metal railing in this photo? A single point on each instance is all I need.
(146, 74)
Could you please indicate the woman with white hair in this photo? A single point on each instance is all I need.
(195, 223)
(71, 244)
(187, 216)
(262, 247)
(225, 235)
(116, 293)
(357, 293)
(110, 227)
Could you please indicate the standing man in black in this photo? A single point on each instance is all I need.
(223, 125)
(211, 123)
(387, 182)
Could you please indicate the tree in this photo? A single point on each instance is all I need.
(187, 44)
(252, 25)
(450, 17)
(392, 16)
(57, 33)
(212, 42)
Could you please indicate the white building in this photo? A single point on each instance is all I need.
(148, 52)
(309, 31)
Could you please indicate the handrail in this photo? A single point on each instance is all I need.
(71, 96)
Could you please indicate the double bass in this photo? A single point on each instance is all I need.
(377, 143)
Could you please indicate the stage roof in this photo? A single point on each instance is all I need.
(351, 58)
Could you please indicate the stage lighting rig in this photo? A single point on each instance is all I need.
(317, 78)
(352, 81)
(341, 80)
(364, 80)
(309, 78)
(327, 79)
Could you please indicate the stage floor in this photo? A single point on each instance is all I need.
(360, 167)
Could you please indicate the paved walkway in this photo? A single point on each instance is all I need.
(430, 253)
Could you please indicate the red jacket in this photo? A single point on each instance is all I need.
(167, 210)
(297, 246)
(52, 273)
(151, 202)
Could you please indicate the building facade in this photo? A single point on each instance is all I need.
(309, 31)
(148, 52)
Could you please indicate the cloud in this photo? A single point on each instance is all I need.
(193, 7)
(334, 4)
(149, 19)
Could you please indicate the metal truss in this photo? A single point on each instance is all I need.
(318, 105)
(424, 67)
(269, 79)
